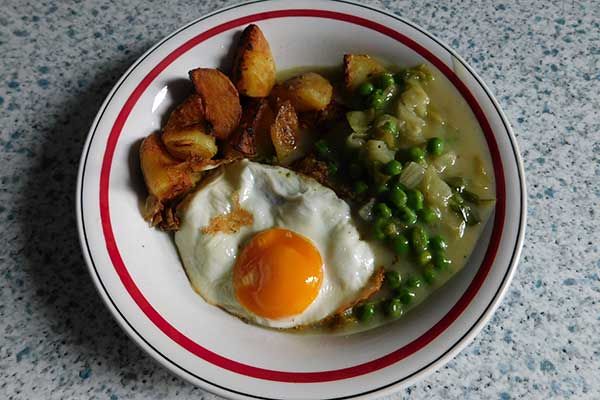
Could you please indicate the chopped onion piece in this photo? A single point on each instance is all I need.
(360, 121)
(444, 161)
(412, 175)
(355, 141)
(366, 211)
(436, 191)
(378, 151)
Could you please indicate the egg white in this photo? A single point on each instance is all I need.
(276, 197)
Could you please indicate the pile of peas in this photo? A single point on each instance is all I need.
(430, 254)
(401, 215)
(378, 94)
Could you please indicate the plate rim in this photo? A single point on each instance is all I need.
(449, 354)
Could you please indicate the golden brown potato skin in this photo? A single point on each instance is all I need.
(220, 99)
(190, 143)
(253, 65)
(358, 68)
(285, 133)
(166, 177)
(189, 112)
(307, 92)
(253, 136)
(186, 134)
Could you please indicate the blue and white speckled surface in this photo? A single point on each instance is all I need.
(58, 61)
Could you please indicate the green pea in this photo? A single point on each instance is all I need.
(429, 275)
(377, 100)
(378, 227)
(390, 127)
(360, 187)
(435, 146)
(397, 196)
(366, 89)
(416, 154)
(322, 148)
(406, 296)
(400, 244)
(393, 308)
(393, 168)
(407, 215)
(441, 262)
(355, 170)
(437, 243)
(415, 199)
(429, 215)
(424, 258)
(393, 279)
(383, 210)
(419, 239)
(386, 80)
(413, 282)
(381, 188)
(366, 312)
(395, 183)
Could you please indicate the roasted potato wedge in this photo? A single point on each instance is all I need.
(166, 177)
(186, 135)
(285, 134)
(358, 68)
(220, 98)
(189, 112)
(253, 65)
(192, 142)
(307, 92)
(253, 137)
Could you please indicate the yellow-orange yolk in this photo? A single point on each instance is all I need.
(278, 274)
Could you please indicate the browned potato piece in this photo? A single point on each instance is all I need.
(285, 134)
(253, 137)
(253, 64)
(220, 98)
(192, 142)
(165, 176)
(307, 92)
(189, 112)
(186, 135)
(358, 68)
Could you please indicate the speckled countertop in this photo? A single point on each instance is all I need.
(59, 59)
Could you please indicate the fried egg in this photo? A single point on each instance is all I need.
(271, 246)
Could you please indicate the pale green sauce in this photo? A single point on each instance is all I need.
(464, 136)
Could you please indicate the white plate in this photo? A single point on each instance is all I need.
(139, 276)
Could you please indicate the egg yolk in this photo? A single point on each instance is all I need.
(278, 274)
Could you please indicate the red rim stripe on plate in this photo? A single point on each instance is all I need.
(284, 376)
